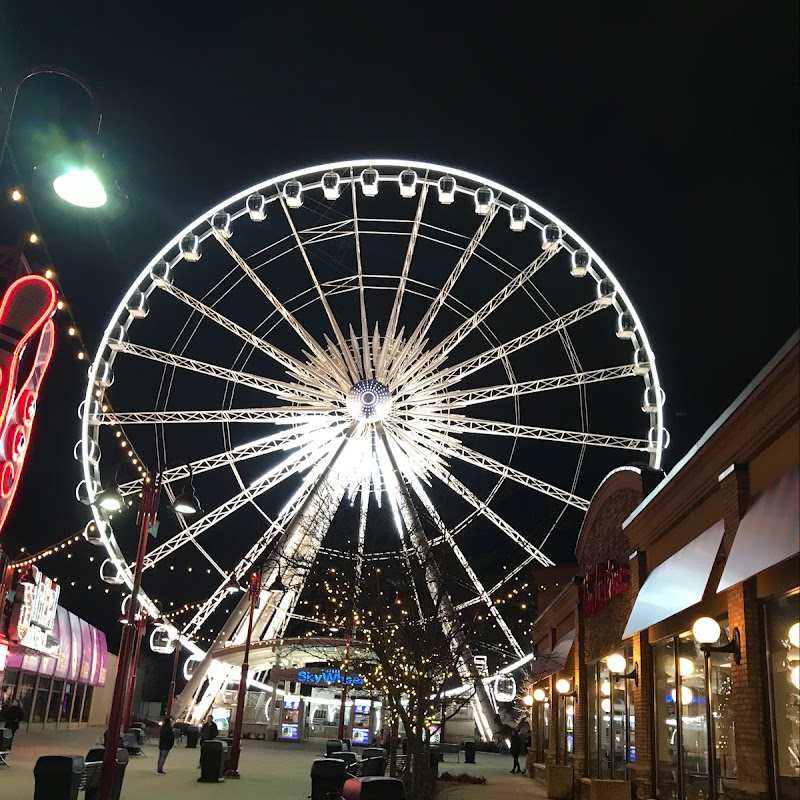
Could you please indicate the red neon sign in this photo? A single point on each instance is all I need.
(607, 581)
(25, 312)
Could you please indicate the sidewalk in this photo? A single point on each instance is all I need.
(270, 771)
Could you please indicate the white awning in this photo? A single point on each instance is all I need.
(552, 660)
(677, 583)
(769, 532)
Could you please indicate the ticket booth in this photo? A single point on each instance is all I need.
(292, 719)
(361, 722)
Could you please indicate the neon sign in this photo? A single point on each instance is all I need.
(25, 311)
(34, 612)
(603, 584)
(327, 677)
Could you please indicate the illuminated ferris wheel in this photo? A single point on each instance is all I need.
(361, 359)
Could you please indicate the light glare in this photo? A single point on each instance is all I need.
(81, 187)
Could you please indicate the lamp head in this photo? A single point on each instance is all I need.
(528, 700)
(616, 663)
(539, 695)
(186, 502)
(706, 630)
(563, 686)
(109, 498)
(80, 187)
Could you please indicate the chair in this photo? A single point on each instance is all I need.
(333, 746)
(372, 767)
(327, 778)
(130, 741)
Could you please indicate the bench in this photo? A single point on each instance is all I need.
(91, 776)
(446, 747)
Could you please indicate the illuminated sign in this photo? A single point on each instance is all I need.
(34, 612)
(327, 677)
(603, 584)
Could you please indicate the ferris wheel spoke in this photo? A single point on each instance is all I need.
(290, 415)
(471, 425)
(459, 399)
(482, 594)
(285, 439)
(337, 331)
(291, 365)
(415, 339)
(428, 382)
(394, 316)
(362, 302)
(287, 315)
(477, 459)
(293, 463)
(280, 389)
(484, 510)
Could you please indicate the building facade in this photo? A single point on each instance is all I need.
(670, 665)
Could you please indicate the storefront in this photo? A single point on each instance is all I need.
(682, 674)
(54, 663)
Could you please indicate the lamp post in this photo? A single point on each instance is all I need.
(110, 500)
(79, 187)
(141, 624)
(253, 589)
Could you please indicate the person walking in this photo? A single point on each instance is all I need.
(13, 717)
(166, 741)
(208, 732)
(516, 746)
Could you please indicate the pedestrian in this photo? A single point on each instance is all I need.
(166, 741)
(515, 747)
(208, 732)
(13, 717)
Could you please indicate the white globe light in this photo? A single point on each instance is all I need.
(562, 686)
(605, 705)
(539, 695)
(685, 667)
(528, 700)
(81, 187)
(605, 688)
(794, 635)
(706, 630)
(616, 663)
(795, 677)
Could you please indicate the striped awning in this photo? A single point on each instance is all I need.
(769, 532)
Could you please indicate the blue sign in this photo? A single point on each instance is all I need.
(327, 677)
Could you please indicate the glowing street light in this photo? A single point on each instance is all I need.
(81, 187)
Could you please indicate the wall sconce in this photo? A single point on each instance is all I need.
(617, 664)
(563, 687)
(706, 631)
(527, 700)
(539, 695)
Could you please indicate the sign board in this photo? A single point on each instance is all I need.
(323, 677)
(607, 581)
(34, 612)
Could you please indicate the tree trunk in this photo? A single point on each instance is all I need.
(393, 744)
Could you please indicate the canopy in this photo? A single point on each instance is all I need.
(552, 660)
(677, 583)
(769, 532)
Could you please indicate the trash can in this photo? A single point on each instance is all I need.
(192, 736)
(213, 755)
(469, 752)
(433, 760)
(119, 772)
(57, 777)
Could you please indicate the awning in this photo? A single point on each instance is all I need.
(677, 583)
(552, 660)
(769, 532)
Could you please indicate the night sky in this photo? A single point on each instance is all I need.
(666, 137)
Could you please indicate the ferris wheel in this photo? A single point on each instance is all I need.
(363, 359)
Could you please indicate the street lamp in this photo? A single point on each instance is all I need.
(253, 590)
(186, 502)
(78, 184)
(146, 518)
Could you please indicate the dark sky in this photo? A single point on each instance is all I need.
(667, 136)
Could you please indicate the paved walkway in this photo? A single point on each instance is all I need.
(270, 771)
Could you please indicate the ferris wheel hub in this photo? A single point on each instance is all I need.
(369, 401)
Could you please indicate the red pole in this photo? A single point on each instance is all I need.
(148, 505)
(126, 714)
(233, 765)
(174, 676)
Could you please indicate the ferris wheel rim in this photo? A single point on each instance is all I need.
(622, 299)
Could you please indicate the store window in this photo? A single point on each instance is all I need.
(40, 703)
(611, 721)
(783, 642)
(87, 704)
(9, 685)
(75, 714)
(66, 701)
(55, 701)
(691, 690)
(27, 684)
